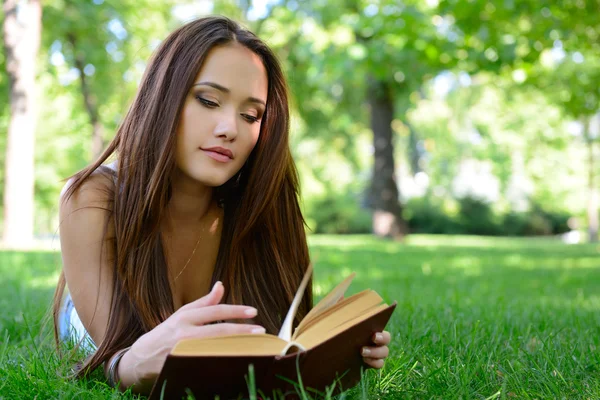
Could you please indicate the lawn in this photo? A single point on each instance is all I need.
(477, 318)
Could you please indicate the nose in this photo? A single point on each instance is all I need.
(226, 127)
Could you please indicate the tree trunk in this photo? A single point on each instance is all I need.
(384, 196)
(91, 105)
(592, 211)
(414, 153)
(22, 35)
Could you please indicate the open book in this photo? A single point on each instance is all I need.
(324, 349)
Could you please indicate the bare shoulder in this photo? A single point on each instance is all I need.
(84, 215)
(95, 191)
(85, 212)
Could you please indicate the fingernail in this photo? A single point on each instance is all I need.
(217, 283)
(258, 330)
(366, 352)
(378, 337)
(251, 312)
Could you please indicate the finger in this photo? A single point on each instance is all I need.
(214, 297)
(376, 352)
(224, 329)
(382, 338)
(374, 362)
(219, 312)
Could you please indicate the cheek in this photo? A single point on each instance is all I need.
(249, 145)
(252, 144)
(194, 120)
(255, 140)
(185, 122)
(250, 138)
(182, 143)
(255, 136)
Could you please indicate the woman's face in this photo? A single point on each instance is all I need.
(221, 116)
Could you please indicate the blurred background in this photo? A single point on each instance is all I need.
(409, 116)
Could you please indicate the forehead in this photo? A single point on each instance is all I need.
(236, 68)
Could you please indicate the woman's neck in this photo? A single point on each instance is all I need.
(190, 201)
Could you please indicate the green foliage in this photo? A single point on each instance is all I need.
(341, 213)
(572, 82)
(522, 35)
(427, 215)
(477, 217)
(337, 213)
(473, 216)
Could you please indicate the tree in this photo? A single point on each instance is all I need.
(572, 84)
(551, 44)
(372, 56)
(22, 32)
(102, 41)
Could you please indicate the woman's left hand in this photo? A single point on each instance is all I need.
(374, 356)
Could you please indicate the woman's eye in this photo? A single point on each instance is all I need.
(207, 103)
(250, 118)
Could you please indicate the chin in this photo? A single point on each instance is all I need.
(214, 180)
(211, 177)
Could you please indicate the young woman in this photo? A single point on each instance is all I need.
(194, 230)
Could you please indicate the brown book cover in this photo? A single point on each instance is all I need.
(227, 376)
(325, 349)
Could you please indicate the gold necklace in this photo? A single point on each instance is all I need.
(191, 256)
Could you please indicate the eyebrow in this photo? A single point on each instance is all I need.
(225, 90)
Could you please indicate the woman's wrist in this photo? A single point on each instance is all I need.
(132, 375)
(113, 366)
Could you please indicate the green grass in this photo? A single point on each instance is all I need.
(477, 318)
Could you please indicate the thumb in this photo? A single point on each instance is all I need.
(211, 299)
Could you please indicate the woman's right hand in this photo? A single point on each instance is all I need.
(141, 365)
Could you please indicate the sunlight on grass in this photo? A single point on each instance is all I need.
(321, 289)
(345, 242)
(426, 268)
(465, 262)
(44, 282)
(477, 241)
(588, 303)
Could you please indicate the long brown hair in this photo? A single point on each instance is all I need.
(263, 252)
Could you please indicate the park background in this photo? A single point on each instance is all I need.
(447, 151)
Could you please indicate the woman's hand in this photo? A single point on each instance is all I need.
(141, 365)
(374, 356)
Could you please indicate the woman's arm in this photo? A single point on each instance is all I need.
(87, 253)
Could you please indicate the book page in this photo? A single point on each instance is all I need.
(347, 311)
(313, 338)
(328, 311)
(231, 345)
(286, 329)
(326, 302)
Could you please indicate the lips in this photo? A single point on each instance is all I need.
(218, 153)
